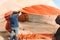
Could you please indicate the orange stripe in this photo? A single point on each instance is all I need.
(41, 10)
(50, 10)
(28, 10)
(35, 36)
(8, 13)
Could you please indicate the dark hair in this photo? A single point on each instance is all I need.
(14, 12)
(57, 20)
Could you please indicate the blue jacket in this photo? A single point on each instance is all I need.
(14, 20)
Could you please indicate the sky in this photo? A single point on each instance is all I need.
(57, 2)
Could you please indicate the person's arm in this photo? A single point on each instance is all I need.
(20, 13)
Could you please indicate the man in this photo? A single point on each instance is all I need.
(57, 34)
(14, 25)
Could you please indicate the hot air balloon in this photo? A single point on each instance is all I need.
(34, 7)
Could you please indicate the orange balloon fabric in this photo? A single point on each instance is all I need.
(41, 10)
(8, 26)
(35, 36)
(23, 17)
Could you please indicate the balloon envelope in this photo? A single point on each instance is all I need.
(41, 10)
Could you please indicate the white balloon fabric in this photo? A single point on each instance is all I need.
(15, 5)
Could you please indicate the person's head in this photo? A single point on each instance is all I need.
(57, 20)
(15, 12)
